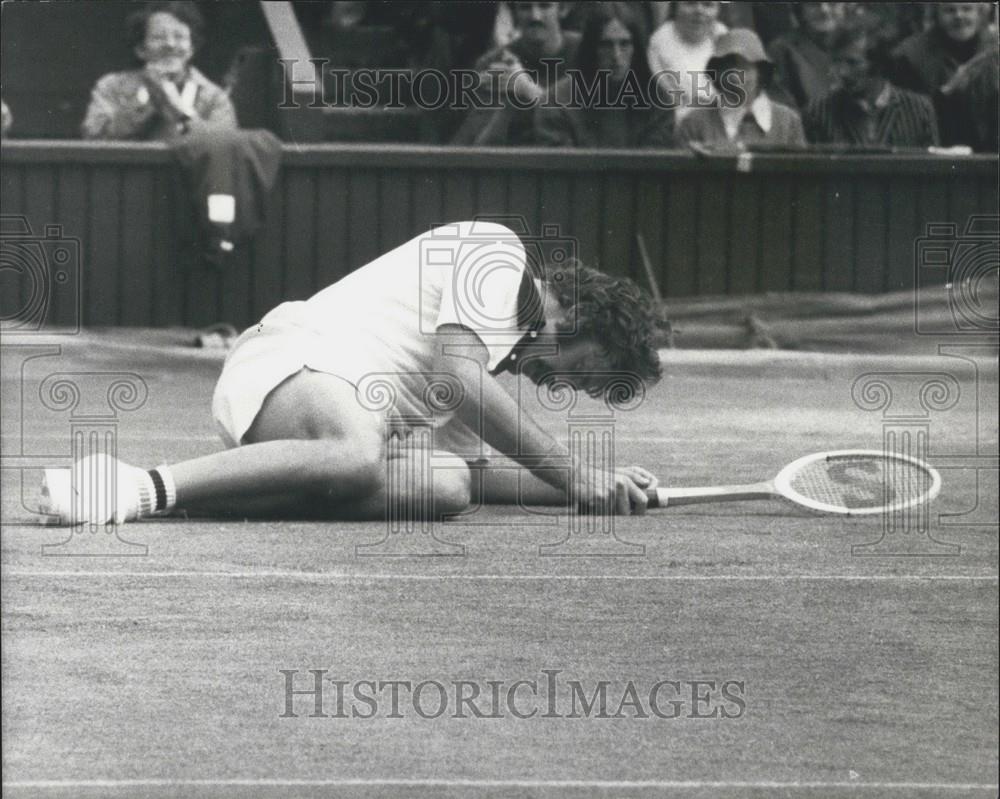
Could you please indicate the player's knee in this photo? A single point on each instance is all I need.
(368, 453)
(452, 486)
(365, 452)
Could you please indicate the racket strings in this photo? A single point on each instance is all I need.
(864, 481)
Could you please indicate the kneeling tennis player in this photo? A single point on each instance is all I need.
(317, 400)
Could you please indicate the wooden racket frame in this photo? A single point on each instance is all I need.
(780, 487)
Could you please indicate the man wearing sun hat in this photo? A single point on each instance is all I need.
(743, 114)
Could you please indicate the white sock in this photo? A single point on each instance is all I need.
(146, 491)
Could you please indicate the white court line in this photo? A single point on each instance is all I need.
(470, 783)
(323, 577)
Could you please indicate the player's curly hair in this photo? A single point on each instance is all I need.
(615, 313)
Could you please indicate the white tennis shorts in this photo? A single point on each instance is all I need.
(264, 356)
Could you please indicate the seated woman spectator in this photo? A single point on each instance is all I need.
(679, 51)
(867, 110)
(526, 67)
(605, 102)
(228, 170)
(166, 96)
(742, 73)
(803, 68)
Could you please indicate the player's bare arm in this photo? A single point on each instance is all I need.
(511, 430)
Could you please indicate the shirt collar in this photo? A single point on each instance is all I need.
(195, 75)
(885, 96)
(760, 110)
(530, 319)
(763, 112)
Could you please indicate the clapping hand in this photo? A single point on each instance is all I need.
(518, 80)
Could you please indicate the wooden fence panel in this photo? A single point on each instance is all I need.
(714, 208)
(71, 210)
(777, 232)
(804, 222)
(680, 276)
(743, 243)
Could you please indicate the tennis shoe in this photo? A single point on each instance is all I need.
(98, 489)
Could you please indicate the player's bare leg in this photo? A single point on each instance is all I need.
(310, 435)
(449, 493)
(312, 450)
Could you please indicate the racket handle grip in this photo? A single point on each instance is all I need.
(664, 497)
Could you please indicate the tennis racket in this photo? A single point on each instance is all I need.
(850, 482)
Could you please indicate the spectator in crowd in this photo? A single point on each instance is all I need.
(866, 109)
(744, 114)
(345, 14)
(896, 21)
(650, 14)
(679, 51)
(971, 97)
(926, 61)
(468, 26)
(443, 36)
(771, 20)
(614, 74)
(803, 69)
(893, 21)
(166, 96)
(526, 68)
(228, 171)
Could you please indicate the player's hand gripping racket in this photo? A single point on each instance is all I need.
(851, 482)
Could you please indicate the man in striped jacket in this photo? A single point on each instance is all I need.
(865, 109)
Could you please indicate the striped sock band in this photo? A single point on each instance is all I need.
(159, 488)
(169, 487)
(166, 491)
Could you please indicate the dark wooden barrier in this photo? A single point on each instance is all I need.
(719, 226)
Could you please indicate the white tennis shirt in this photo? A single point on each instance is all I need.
(377, 328)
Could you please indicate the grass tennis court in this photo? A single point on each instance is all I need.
(160, 675)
